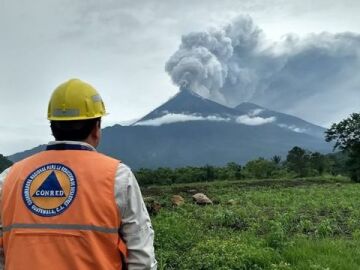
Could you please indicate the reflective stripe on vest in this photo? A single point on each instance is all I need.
(60, 227)
(44, 227)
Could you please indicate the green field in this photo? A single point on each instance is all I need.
(307, 224)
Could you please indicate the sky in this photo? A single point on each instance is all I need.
(121, 47)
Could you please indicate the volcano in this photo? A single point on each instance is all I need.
(189, 103)
(189, 130)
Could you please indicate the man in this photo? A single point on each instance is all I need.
(70, 207)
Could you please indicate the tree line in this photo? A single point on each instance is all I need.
(298, 163)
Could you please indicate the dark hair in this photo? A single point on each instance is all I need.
(77, 130)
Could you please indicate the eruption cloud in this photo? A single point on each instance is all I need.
(235, 64)
(205, 60)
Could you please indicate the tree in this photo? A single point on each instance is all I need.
(145, 176)
(276, 159)
(164, 175)
(338, 163)
(233, 170)
(259, 169)
(209, 172)
(346, 135)
(319, 163)
(297, 161)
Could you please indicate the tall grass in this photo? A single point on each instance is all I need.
(309, 225)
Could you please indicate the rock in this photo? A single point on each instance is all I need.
(152, 206)
(201, 198)
(177, 200)
(231, 202)
(192, 191)
(156, 208)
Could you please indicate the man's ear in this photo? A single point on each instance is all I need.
(95, 134)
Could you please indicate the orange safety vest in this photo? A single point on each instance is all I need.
(58, 212)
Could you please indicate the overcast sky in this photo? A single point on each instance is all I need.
(121, 48)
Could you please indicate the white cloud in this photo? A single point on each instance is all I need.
(293, 128)
(254, 121)
(174, 118)
(128, 122)
(256, 112)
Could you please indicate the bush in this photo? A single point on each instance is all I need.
(260, 169)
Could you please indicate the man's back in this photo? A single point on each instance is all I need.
(67, 217)
(70, 207)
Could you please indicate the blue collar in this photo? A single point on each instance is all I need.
(66, 146)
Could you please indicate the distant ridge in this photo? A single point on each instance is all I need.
(21, 155)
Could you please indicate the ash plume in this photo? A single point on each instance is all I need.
(235, 64)
(205, 60)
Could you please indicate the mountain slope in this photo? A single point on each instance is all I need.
(282, 120)
(21, 155)
(199, 143)
(189, 130)
(190, 103)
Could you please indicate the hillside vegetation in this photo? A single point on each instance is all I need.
(298, 163)
(304, 224)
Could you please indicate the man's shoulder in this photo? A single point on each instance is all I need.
(4, 173)
(124, 175)
(124, 168)
(106, 157)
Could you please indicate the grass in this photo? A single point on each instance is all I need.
(268, 224)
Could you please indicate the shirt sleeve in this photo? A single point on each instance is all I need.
(136, 229)
(3, 175)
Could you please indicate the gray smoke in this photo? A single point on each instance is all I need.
(207, 61)
(235, 64)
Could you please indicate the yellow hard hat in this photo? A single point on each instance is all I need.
(75, 100)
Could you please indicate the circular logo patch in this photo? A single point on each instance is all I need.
(49, 190)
